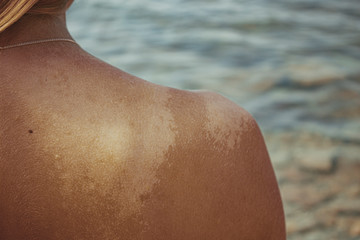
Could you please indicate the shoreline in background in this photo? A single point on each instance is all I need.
(319, 181)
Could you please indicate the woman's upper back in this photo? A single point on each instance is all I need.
(90, 152)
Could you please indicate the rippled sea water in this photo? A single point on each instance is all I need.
(294, 64)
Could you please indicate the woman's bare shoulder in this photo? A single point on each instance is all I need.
(222, 147)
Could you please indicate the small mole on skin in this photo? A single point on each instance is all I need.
(31, 131)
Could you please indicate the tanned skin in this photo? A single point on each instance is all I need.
(88, 151)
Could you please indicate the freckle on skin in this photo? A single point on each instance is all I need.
(31, 131)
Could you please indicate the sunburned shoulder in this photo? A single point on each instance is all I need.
(217, 139)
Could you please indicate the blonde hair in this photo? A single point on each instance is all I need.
(13, 10)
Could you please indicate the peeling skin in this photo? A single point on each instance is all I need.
(111, 156)
(223, 116)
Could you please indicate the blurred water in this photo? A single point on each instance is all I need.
(294, 64)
